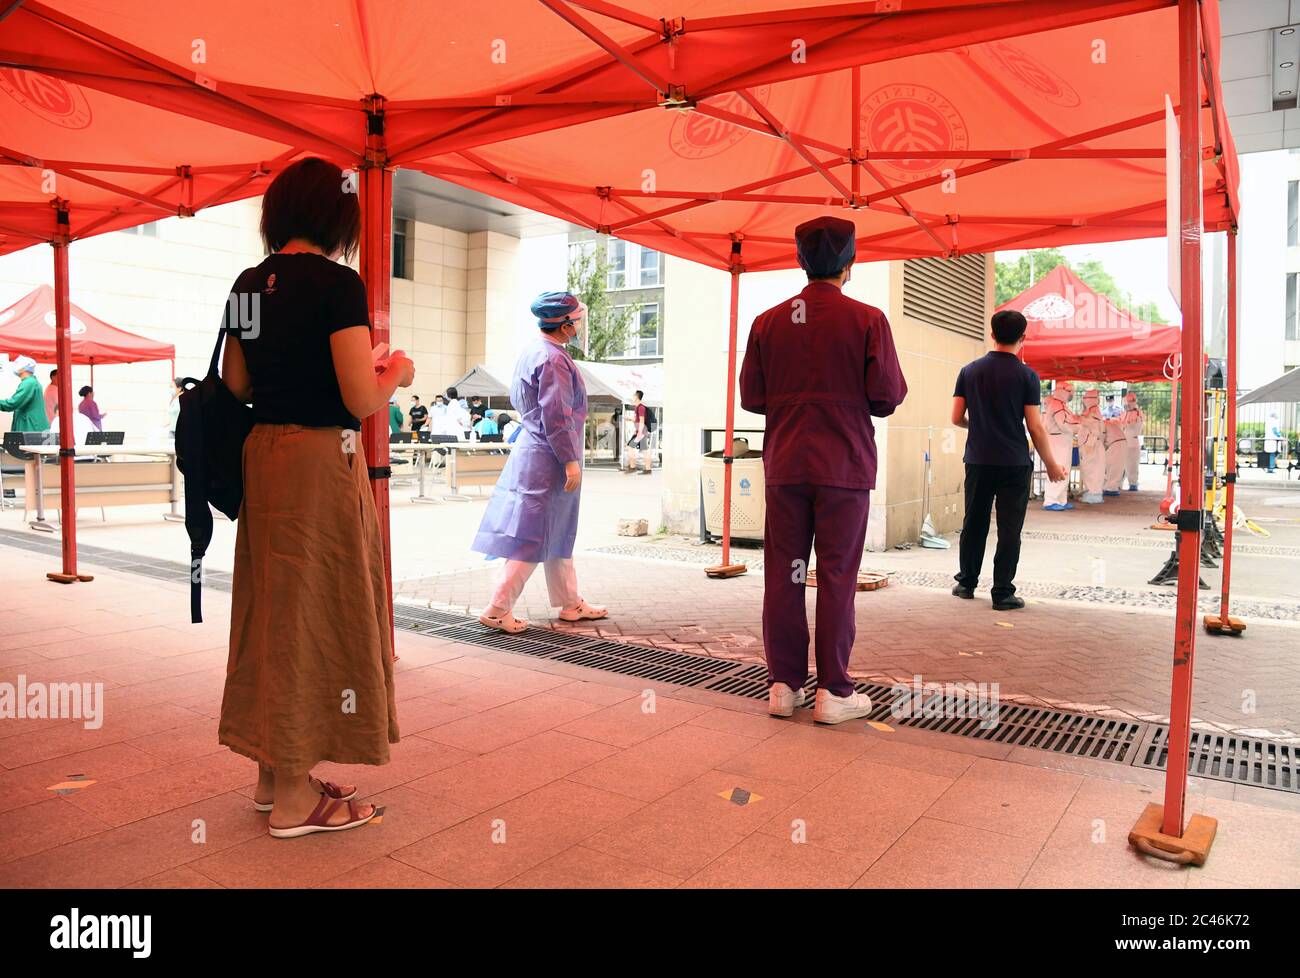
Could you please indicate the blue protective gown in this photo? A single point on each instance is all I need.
(530, 517)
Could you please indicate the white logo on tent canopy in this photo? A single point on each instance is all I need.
(5, 316)
(78, 327)
(1050, 307)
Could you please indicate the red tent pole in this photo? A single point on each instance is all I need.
(1160, 831)
(1191, 476)
(1224, 623)
(376, 186)
(67, 433)
(727, 568)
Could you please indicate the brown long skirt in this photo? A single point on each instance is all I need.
(310, 676)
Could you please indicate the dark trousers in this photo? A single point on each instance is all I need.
(1007, 486)
(836, 520)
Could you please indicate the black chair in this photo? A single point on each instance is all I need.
(496, 439)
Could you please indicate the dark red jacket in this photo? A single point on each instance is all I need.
(819, 366)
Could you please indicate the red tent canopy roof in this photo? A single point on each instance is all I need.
(940, 127)
(27, 329)
(1079, 334)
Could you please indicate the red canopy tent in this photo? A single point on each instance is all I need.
(28, 327)
(706, 130)
(1077, 333)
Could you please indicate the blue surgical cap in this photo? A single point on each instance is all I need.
(826, 245)
(554, 309)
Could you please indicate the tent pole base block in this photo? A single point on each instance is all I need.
(69, 578)
(726, 570)
(1217, 626)
(1192, 848)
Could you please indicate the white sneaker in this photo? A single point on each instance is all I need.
(782, 701)
(829, 708)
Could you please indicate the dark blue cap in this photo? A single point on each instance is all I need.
(826, 245)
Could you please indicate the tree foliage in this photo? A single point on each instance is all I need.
(609, 328)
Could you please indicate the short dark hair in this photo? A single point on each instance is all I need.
(415, 397)
(84, 391)
(1008, 326)
(451, 392)
(640, 395)
(54, 373)
(309, 199)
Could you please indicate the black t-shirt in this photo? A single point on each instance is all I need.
(283, 313)
(997, 387)
(477, 412)
(418, 415)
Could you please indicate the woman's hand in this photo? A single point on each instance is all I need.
(572, 476)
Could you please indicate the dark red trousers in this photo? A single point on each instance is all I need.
(835, 521)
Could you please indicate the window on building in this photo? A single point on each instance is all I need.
(649, 267)
(649, 336)
(402, 264)
(149, 230)
(1292, 213)
(1291, 332)
(617, 264)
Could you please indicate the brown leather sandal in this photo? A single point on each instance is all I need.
(318, 820)
(327, 788)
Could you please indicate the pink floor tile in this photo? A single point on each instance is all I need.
(493, 848)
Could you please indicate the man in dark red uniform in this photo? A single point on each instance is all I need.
(819, 366)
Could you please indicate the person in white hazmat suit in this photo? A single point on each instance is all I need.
(1115, 442)
(1092, 451)
(1061, 425)
(1134, 420)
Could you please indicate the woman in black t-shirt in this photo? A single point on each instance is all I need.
(310, 676)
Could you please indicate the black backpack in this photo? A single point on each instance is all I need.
(210, 433)
(649, 418)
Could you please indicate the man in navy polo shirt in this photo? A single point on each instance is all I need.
(996, 398)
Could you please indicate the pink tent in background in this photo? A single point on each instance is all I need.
(27, 328)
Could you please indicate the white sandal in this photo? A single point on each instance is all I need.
(583, 612)
(507, 623)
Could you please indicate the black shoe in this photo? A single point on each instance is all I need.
(1008, 604)
(962, 591)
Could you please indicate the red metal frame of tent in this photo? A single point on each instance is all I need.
(28, 327)
(920, 121)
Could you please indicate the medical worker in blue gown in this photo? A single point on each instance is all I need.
(532, 517)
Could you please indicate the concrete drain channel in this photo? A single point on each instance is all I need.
(1215, 756)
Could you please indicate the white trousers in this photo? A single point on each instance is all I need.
(1132, 456)
(1058, 493)
(1092, 468)
(1116, 460)
(561, 582)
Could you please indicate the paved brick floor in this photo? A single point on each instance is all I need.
(517, 772)
(1087, 656)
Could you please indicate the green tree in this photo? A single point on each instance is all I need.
(609, 328)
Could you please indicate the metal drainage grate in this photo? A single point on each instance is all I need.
(1215, 756)
(1227, 757)
(1074, 734)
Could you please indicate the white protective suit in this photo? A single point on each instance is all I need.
(1132, 421)
(1116, 455)
(1092, 452)
(1061, 425)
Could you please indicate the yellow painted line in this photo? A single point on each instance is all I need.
(1004, 624)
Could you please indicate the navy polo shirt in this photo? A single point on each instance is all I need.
(997, 387)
